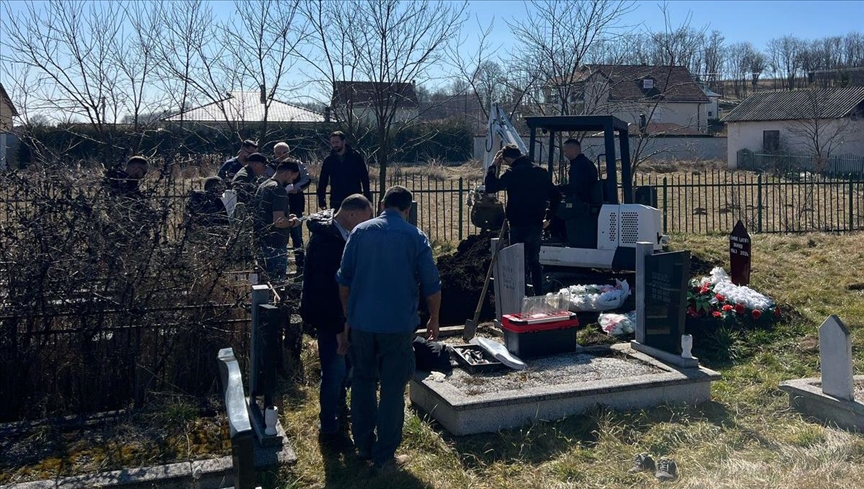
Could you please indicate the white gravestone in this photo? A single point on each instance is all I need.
(509, 273)
(835, 354)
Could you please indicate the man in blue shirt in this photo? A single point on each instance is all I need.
(383, 262)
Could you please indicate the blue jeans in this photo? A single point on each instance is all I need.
(275, 262)
(530, 236)
(390, 359)
(334, 382)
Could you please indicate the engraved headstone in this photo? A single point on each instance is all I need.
(665, 299)
(835, 354)
(509, 285)
(739, 254)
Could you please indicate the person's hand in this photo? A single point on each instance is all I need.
(292, 218)
(498, 160)
(342, 341)
(432, 329)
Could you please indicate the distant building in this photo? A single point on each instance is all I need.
(798, 122)
(663, 94)
(7, 112)
(360, 99)
(248, 107)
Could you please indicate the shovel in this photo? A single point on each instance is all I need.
(471, 324)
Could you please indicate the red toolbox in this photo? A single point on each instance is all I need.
(537, 335)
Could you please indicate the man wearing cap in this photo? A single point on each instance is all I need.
(248, 178)
(233, 165)
(296, 199)
(272, 220)
(531, 201)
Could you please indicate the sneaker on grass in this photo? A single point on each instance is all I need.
(667, 470)
(396, 464)
(642, 461)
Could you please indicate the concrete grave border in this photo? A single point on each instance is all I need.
(806, 396)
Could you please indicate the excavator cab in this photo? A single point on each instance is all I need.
(600, 231)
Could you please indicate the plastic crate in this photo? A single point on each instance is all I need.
(540, 335)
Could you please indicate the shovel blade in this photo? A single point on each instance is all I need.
(470, 329)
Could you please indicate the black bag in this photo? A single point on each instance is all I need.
(431, 355)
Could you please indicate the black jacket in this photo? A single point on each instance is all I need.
(345, 178)
(583, 177)
(319, 304)
(530, 192)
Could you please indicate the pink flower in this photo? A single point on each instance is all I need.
(720, 297)
(703, 289)
(739, 308)
(756, 313)
(727, 307)
(717, 314)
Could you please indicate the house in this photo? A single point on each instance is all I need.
(713, 108)
(7, 112)
(812, 123)
(245, 107)
(663, 94)
(359, 100)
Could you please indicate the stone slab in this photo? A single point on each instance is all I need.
(664, 356)
(835, 355)
(462, 414)
(806, 396)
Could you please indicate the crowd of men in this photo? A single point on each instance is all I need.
(361, 274)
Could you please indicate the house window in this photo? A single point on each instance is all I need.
(647, 84)
(771, 141)
(710, 114)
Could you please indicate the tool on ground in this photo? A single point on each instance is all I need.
(471, 324)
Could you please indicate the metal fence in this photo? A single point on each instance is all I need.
(785, 163)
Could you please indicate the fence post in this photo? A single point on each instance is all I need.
(759, 203)
(851, 204)
(665, 215)
(460, 209)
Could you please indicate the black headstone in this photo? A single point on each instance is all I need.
(739, 254)
(666, 277)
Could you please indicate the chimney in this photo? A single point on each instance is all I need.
(263, 95)
(643, 123)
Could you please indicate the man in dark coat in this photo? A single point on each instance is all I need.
(344, 171)
(233, 165)
(320, 306)
(247, 180)
(296, 199)
(583, 173)
(531, 201)
(205, 208)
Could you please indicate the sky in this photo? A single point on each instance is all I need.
(743, 20)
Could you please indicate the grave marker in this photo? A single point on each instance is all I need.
(835, 354)
(665, 299)
(739, 254)
(509, 284)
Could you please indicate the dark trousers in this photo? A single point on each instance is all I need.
(530, 237)
(334, 382)
(388, 359)
(296, 235)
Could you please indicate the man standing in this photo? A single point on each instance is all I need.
(233, 165)
(383, 261)
(130, 210)
(272, 219)
(205, 208)
(296, 199)
(583, 173)
(344, 170)
(320, 306)
(247, 180)
(531, 201)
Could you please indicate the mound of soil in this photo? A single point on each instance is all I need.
(462, 274)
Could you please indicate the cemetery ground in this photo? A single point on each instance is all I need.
(745, 437)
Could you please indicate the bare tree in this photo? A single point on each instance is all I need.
(819, 134)
(784, 55)
(389, 43)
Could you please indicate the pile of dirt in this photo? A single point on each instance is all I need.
(462, 274)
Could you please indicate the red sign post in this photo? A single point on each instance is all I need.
(739, 254)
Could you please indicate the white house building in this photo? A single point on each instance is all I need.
(247, 107)
(818, 124)
(666, 95)
(7, 112)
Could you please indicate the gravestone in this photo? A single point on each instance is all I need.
(665, 299)
(835, 354)
(509, 284)
(739, 254)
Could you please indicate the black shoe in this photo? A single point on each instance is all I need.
(667, 470)
(642, 461)
(336, 441)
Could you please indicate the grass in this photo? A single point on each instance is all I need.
(745, 437)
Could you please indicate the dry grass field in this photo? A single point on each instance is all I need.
(745, 437)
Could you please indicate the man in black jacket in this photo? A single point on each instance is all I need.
(344, 170)
(296, 199)
(583, 173)
(531, 201)
(320, 305)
